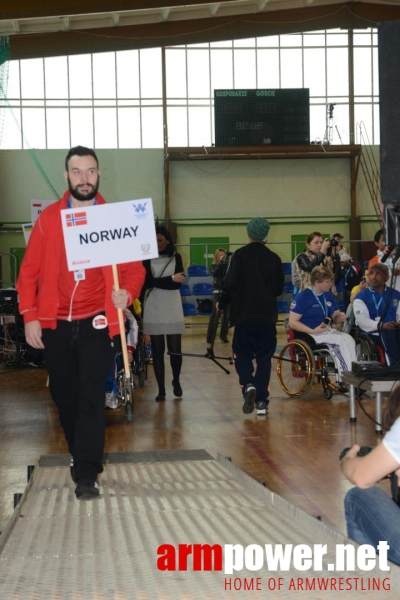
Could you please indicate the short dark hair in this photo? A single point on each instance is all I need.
(80, 151)
(160, 229)
(313, 235)
(378, 235)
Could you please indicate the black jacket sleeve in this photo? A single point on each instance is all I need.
(231, 277)
(165, 282)
(280, 278)
(305, 264)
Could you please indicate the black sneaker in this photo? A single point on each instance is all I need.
(86, 489)
(261, 408)
(249, 397)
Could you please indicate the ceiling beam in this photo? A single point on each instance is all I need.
(355, 15)
(27, 9)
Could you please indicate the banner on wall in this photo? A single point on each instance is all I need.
(37, 206)
(109, 234)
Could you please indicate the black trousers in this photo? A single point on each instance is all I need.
(78, 359)
(254, 341)
(213, 322)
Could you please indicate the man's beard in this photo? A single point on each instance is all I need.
(89, 195)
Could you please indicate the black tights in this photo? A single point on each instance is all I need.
(158, 350)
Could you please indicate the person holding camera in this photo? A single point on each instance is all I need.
(218, 271)
(312, 313)
(318, 252)
(371, 515)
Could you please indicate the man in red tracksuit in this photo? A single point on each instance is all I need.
(72, 316)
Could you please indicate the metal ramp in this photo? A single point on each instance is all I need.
(57, 548)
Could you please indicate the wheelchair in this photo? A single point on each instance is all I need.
(125, 392)
(301, 360)
(369, 347)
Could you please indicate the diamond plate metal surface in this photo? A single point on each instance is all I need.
(106, 549)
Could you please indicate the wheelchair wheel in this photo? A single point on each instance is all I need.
(365, 348)
(126, 394)
(142, 377)
(128, 412)
(296, 368)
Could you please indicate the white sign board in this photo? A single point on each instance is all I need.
(109, 234)
(27, 230)
(37, 206)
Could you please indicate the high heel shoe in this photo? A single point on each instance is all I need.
(161, 397)
(177, 389)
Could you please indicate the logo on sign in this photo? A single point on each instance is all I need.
(145, 248)
(76, 219)
(140, 209)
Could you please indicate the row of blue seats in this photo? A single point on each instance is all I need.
(199, 289)
(282, 306)
(206, 289)
(201, 270)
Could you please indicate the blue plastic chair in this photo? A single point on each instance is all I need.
(202, 289)
(287, 268)
(189, 309)
(197, 271)
(185, 290)
(288, 287)
(282, 306)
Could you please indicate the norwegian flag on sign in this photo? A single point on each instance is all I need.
(76, 219)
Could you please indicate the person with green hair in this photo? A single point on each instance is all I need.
(251, 286)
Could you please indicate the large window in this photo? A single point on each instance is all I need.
(114, 99)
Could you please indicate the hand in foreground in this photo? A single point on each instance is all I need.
(323, 328)
(120, 299)
(33, 335)
(391, 325)
(352, 453)
(340, 317)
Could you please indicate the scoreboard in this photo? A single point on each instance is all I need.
(262, 117)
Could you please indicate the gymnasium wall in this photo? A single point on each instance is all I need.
(207, 198)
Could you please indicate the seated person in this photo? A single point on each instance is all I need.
(112, 390)
(350, 321)
(377, 311)
(313, 310)
(350, 274)
(371, 515)
(381, 248)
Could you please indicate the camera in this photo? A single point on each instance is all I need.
(363, 451)
(327, 321)
(229, 254)
(333, 242)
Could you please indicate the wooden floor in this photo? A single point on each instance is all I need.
(294, 449)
